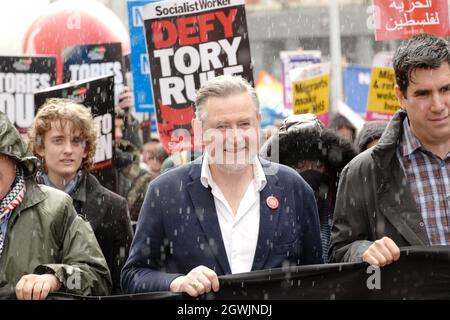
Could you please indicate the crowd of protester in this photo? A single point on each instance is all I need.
(308, 195)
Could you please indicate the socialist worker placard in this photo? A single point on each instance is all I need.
(188, 43)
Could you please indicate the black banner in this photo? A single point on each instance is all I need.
(96, 94)
(94, 60)
(420, 273)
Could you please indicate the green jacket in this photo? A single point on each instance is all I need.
(45, 234)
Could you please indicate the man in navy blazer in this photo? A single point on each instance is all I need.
(226, 212)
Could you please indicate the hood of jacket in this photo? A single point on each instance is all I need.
(309, 143)
(370, 131)
(13, 145)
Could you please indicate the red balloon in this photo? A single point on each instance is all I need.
(73, 22)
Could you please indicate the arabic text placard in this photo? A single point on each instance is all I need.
(403, 19)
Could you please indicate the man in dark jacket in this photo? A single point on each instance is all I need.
(64, 136)
(130, 123)
(318, 154)
(44, 245)
(131, 179)
(226, 212)
(397, 193)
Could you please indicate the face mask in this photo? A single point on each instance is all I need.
(317, 181)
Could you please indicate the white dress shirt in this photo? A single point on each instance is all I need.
(240, 232)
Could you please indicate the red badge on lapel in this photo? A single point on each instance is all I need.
(272, 202)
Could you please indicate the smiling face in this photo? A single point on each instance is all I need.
(230, 131)
(427, 102)
(63, 150)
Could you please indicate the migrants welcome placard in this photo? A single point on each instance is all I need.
(311, 91)
(382, 102)
(94, 60)
(96, 94)
(189, 43)
(291, 60)
(20, 78)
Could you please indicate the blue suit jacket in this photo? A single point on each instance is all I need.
(178, 228)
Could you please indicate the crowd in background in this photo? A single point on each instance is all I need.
(338, 194)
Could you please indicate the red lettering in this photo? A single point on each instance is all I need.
(185, 29)
(164, 28)
(204, 26)
(187, 32)
(227, 22)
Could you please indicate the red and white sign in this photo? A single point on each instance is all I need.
(403, 19)
(272, 202)
(190, 42)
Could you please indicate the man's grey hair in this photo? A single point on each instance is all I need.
(222, 87)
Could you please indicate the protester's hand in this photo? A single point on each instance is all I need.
(126, 99)
(382, 252)
(198, 281)
(36, 287)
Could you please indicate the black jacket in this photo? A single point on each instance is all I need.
(375, 200)
(290, 146)
(108, 215)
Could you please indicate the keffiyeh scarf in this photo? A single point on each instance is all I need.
(9, 202)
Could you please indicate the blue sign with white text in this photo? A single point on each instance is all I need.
(140, 69)
(356, 87)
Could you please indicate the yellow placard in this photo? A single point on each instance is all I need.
(311, 96)
(382, 97)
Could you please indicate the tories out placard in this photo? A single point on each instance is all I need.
(189, 43)
(97, 95)
(20, 78)
(94, 60)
